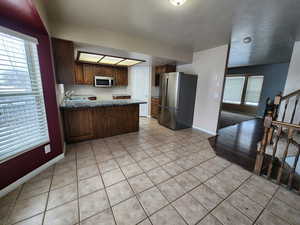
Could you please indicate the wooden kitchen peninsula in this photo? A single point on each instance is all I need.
(91, 120)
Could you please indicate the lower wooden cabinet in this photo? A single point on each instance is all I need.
(78, 125)
(100, 122)
(154, 107)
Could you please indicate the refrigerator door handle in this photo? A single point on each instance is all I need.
(166, 93)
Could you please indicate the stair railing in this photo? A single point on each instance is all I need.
(275, 128)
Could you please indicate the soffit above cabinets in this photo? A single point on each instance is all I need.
(87, 57)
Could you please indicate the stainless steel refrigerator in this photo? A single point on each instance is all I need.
(177, 100)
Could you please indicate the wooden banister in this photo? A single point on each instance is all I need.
(294, 93)
(280, 125)
(288, 125)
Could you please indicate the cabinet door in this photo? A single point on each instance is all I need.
(101, 128)
(79, 77)
(88, 73)
(121, 76)
(63, 54)
(78, 125)
(104, 71)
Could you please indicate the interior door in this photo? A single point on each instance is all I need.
(140, 78)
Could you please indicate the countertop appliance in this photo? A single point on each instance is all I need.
(106, 82)
(177, 100)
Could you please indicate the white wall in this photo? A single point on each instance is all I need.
(210, 67)
(293, 80)
(186, 68)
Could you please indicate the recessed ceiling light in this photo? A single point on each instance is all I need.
(129, 62)
(247, 40)
(110, 60)
(177, 2)
(88, 57)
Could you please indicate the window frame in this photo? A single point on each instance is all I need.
(33, 40)
(234, 103)
(246, 75)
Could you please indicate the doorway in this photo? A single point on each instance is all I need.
(140, 86)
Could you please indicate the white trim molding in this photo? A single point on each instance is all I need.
(204, 130)
(30, 175)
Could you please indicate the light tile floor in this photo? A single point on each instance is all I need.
(156, 176)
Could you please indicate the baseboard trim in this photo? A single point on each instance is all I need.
(30, 175)
(204, 130)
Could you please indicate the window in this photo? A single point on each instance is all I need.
(23, 124)
(243, 89)
(254, 86)
(233, 89)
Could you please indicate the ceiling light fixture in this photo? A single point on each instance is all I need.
(247, 40)
(177, 2)
(96, 58)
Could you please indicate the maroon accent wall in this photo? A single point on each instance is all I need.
(28, 22)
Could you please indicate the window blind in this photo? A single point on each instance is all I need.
(23, 124)
(233, 90)
(253, 91)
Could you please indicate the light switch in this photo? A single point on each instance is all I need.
(47, 149)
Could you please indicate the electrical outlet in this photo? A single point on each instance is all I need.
(47, 149)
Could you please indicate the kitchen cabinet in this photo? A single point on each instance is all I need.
(121, 76)
(103, 70)
(155, 107)
(63, 54)
(163, 69)
(85, 73)
(104, 121)
(88, 74)
(70, 72)
(79, 76)
(78, 125)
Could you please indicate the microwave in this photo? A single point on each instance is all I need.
(106, 82)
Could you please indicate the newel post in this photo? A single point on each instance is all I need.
(262, 149)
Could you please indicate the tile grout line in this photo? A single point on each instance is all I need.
(77, 183)
(173, 177)
(146, 173)
(265, 208)
(44, 214)
(13, 206)
(104, 187)
(135, 194)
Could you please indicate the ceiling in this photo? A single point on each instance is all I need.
(197, 25)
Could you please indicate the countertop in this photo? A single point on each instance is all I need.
(69, 104)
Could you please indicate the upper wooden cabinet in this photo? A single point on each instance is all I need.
(121, 76)
(70, 72)
(85, 73)
(163, 69)
(63, 52)
(79, 77)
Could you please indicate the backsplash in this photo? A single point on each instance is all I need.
(101, 93)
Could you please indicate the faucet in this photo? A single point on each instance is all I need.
(68, 94)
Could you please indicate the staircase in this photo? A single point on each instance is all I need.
(278, 153)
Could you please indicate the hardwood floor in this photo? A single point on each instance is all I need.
(230, 118)
(238, 143)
